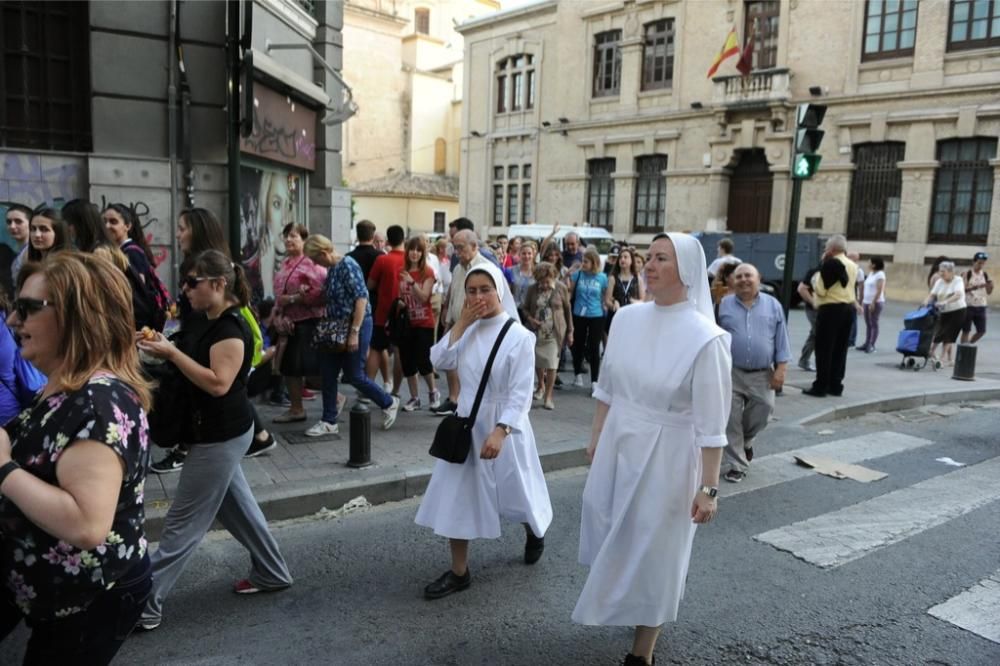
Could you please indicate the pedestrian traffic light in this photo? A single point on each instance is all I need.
(808, 136)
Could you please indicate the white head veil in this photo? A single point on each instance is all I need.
(506, 298)
(694, 274)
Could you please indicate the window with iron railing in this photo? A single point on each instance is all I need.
(974, 24)
(876, 188)
(890, 29)
(607, 63)
(650, 194)
(963, 191)
(600, 192)
(45, 76)
(658, 55)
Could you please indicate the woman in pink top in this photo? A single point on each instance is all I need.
(298, 306)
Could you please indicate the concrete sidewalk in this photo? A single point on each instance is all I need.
(305, 474)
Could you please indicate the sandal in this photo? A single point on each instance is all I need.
(289, 417)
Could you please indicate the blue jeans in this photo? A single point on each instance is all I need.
(353, 365)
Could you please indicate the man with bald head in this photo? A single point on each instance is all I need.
(466, 246)
(756, 324)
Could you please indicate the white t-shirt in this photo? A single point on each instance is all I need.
(943, 289)
(435, 265)
(871, 286)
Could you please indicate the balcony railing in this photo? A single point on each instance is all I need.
(759, 88)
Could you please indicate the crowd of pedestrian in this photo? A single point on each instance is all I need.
(99, 360)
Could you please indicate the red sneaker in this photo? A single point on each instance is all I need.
(244, 586)
(308, 395)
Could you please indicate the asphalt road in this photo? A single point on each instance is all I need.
(359, 577)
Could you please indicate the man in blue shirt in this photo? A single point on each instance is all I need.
(760, 355)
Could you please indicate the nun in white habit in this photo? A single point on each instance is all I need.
(659, 427)
(502, 477)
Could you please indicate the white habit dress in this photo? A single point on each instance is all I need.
(467, 501)
(666, 377)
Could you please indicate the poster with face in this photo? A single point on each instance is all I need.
(269, 202)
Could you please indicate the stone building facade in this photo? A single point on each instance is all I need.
(401, 151)
(602, 113)
(121, 123)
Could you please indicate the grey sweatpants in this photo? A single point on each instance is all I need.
(212, 485)
(753, 402)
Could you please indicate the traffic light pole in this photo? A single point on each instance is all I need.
(791, 238)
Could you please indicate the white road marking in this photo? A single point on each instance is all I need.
(780, 467)
(835, 538)
(976, 610)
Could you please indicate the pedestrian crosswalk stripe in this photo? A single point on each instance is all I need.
(835, 538)
(780, 467)
(976, 610)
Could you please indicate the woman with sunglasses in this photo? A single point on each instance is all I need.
(216, 364)
(48, 233)
(73, 560)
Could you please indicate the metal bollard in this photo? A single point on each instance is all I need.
(965, 362)
(361, 436)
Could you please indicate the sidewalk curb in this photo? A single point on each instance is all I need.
(302, 498)
(897, 403)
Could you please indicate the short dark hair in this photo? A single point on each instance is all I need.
(19, 208)
(59, 228)
(878, 263)
(395, 235)
(300, 229)
(503, 236)
(462, 223)
(365, 230)
(727, 245)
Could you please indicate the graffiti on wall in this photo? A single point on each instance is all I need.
(283, 130)
(269, 200)
(147, 222)
(33, 180)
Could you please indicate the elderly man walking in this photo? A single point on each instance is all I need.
(466, 246)
(760, 351)
(836, 298)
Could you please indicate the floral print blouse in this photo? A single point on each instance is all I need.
(47, 576)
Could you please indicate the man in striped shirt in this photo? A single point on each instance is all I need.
(760, 353)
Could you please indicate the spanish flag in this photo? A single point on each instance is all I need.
(729, 49)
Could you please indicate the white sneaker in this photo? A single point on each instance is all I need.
(388, 388)
(322, 428)
(435, 399)
(578, 382)
(593, 386)
(411, 405)
(390, 413)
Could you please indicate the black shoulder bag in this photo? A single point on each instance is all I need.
(453, 438)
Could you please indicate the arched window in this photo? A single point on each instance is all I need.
(422, 20)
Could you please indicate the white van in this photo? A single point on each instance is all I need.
(596, 237)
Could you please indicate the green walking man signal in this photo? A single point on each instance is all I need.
(808, 136)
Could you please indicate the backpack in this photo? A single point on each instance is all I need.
(987, 287)
(398, 323)
(157, 290)
(144, 307)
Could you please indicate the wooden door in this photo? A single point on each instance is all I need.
(750, 194)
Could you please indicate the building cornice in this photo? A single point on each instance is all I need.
(293, 16)
(395, 19)
(492, 20)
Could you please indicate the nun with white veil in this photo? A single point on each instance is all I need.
(502, 477)
(656, 444)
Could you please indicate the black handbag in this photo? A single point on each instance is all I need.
(453, 438)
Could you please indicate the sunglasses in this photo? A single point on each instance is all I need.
(29, 306)
(191, 282)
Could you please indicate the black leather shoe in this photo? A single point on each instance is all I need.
(533, 546)
(448, 582)
(837, 394)
(813, 392)
(632, 660)
(748, 452)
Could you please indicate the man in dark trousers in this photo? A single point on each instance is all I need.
(836, 296)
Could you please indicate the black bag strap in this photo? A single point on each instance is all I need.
(486, 371)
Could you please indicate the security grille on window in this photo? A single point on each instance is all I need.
(516, 83)
(974, 24)
(422, 20)
(762, 22)
(890, 29)
(607, 63)
(650, 193)
(963, 189)
(512, 202)
(658, 55)
(600, 193)
(45, 75)
(876, 187)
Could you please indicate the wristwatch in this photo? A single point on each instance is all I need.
(506, 428)
(711, 491)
